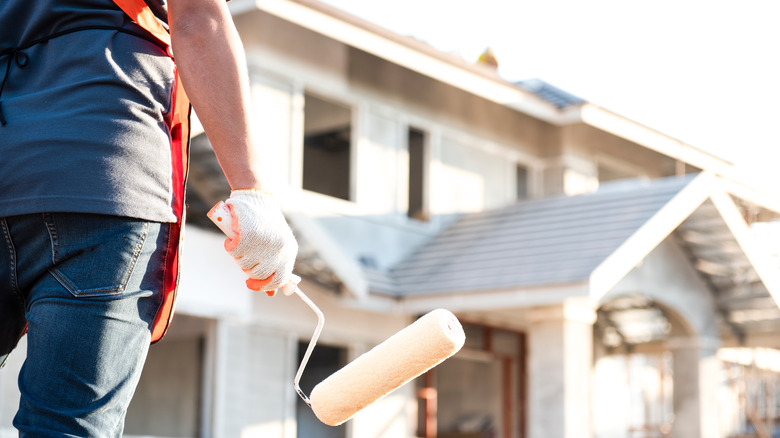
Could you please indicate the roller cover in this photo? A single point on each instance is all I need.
(412, 351)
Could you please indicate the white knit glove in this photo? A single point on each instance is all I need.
(263, 244)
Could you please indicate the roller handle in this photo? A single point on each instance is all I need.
(220, 215)
(223, 219)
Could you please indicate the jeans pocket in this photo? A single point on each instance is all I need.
(94, 255)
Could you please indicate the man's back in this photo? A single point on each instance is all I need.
(84, 98)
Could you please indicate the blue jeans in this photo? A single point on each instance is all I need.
(88, 288)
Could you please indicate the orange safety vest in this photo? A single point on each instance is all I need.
(179, 127)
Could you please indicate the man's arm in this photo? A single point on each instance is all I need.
(211, 61)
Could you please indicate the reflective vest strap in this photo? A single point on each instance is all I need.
(180, 136)
(179, 127)
(139, 11)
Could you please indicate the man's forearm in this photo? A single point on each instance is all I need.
(211, 61)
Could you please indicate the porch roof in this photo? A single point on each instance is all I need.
(539, 242)
(584, 245)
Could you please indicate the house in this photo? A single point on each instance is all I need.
(612, 281)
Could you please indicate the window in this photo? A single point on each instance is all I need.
(417, 175)
(521, 177)
(327, 148)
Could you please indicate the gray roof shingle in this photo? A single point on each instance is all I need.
(550, 93)
(539, 242)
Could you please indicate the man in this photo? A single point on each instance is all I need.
(92, 166)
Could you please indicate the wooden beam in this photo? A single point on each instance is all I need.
(710, 267)
(703, 238)
(522, 385)
(429, 396)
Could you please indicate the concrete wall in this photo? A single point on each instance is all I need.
(474, 145)
(167, 401)
(583, 156)
(667, 277)
(276, 109)
(257, 361)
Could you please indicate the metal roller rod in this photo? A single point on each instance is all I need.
(220, 215)
(312, 343)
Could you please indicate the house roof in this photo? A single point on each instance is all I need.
(540, 242)
(544, 251)
(550, 93)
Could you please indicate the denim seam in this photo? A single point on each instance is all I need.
(12, 260)
(136, 253)
(51, 227)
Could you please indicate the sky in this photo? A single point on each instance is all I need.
(704, 72)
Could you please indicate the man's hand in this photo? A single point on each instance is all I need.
(263, 244)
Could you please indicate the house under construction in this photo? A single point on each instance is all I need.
(613, 282)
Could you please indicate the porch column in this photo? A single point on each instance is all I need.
(560, 363)
(696, 376)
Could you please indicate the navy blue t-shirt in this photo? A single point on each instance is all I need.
(85, 112)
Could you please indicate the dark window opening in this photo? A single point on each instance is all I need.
(522, 182)
(417, 173)
(324, 361)
(327, 147)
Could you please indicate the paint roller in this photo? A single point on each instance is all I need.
(404, 356)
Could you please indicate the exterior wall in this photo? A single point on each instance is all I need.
(667, 277)
(257, 362)
(585, 156)
(474, 145)
(167, 401)
(605, 148)
(276, 110)
(438, 103)
(252, 398)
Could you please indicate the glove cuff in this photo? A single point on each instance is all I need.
(259, 193)
(259, 198)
